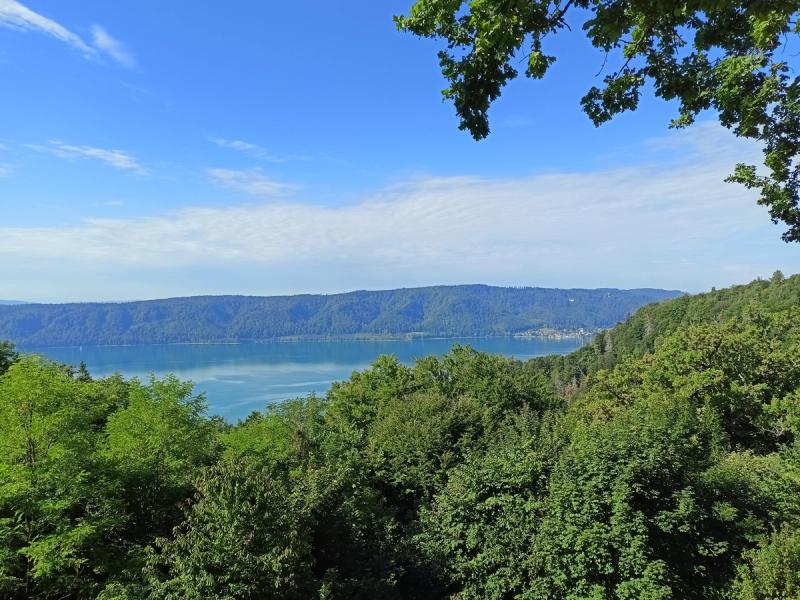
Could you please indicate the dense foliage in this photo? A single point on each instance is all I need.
(467, 310)
(729, 56)
(671, 471)
(640, 333)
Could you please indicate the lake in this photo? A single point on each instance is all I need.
(240, 378)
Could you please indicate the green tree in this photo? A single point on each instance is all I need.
(7, 356)
(723, 55)
(626, 513)
(642, 332)
(501, 384)
(745, 372)
(415, 441)
(480, 528)
(156, 446)
(356, 402)
(296, 519)
(285, 435)
(56, 509)
(247, 536)
(772, 571)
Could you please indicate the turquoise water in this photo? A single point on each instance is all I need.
(240, 378)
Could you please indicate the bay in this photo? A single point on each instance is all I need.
(240, 378)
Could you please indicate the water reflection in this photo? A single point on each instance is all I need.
(240, 378)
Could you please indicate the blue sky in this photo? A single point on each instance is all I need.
(153, 149)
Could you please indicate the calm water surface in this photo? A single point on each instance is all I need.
(240, 378)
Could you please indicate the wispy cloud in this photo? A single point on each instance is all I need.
(15, 15)
(675, 225)
(112, 47)
(250, 181)
(6, 170)
(256, 151)
(119, 159)
(241, 146)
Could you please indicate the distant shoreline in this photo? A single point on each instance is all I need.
(410, 337)
(426, 313)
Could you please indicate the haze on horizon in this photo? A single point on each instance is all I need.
(152, 151)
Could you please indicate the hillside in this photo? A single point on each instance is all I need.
(641, 332)
(467, 310)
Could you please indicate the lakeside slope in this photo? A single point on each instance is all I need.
(461, 310)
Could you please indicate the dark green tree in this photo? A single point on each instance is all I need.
(720, 55)
(480, 528)
(246, 537)
(7, 356)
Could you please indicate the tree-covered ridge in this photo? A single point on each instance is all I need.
(643, 330)
(469, 310)
(672, 473)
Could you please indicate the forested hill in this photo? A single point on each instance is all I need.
(641, 333)
(464, 310)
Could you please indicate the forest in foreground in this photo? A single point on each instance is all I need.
(660, 461)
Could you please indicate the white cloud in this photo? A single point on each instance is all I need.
(249, 181)
(671, 224)
(118, 159)
(241, 146)
(17, 16)
(114, 48)
(6, 170)
(256, 151)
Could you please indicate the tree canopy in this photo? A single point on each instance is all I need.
(671, 469)
(729, 56)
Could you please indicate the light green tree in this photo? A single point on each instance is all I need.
(55, 508)
(772, 571)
